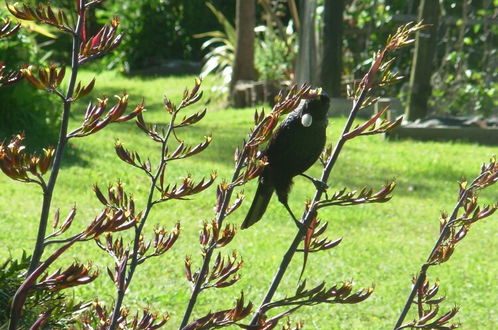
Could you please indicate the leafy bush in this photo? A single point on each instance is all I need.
(166, 33)
(465, 78)
(221, 48)
(464, 74)
(274, 58)
(274, 52)
(23, 108)
(459, 91)
(62, 307)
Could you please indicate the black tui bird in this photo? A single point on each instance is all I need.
(294, 147)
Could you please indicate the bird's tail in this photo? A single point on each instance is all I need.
(259, 204)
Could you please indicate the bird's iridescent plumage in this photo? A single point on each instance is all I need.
(292, 149)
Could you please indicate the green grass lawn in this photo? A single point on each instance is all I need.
(383, 244)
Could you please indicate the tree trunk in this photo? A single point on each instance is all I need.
(331, 64)
(423, 61)
(306, 56)
(245, 20)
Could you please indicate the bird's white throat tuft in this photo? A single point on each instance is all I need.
(306, 120)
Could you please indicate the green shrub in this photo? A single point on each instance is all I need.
(273, 59)
(22, 107)
(39, 301)
(166, 33)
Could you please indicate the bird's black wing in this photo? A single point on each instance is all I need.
(294, 148)
(278, 150)
(282, 146)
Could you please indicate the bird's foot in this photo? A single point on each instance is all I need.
(319, 184)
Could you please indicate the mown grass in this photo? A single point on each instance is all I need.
(382, 244)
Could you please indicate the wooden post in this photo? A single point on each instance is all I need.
(423, 61)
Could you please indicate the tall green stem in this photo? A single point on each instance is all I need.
(125, 278)
(423, 270)
(61, 144)
(212, 245)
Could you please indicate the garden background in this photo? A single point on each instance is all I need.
(382, 244)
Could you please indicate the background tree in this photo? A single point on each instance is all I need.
(306, 56)
(331, 62)
(245, 21)
(420, 88)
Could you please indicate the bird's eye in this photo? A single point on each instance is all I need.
(306, 120)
